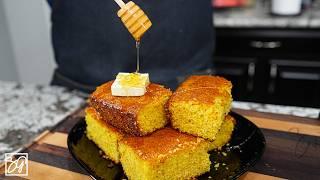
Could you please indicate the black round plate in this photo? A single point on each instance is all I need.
(245, 148)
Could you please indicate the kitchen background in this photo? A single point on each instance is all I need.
(25, 46)
(270, 58)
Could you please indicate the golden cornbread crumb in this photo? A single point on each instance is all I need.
(199, 105)
(134, 115)
(164, 154)
(224, 134)
(103, 135)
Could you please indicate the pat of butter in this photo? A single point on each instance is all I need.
(130, 84)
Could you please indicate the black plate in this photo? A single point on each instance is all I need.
(245, 149)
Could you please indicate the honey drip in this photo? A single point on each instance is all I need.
(138, 56)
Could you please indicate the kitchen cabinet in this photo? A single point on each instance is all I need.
(270, 65)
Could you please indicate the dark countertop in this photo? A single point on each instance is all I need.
(258, 16)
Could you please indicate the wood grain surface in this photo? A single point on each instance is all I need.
(292, 151)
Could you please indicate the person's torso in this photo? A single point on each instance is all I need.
(92, 45)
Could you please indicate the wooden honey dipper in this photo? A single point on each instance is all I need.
(135, 20)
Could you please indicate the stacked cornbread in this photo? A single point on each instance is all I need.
(200, 105)
(165, 154)
(131, 129)
(135, 115)
(224, 134)
(104, 135)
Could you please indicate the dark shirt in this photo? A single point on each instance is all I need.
(91, 45)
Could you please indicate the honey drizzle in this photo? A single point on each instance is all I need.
(138, 56)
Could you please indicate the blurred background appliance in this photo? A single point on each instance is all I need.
(230, 3)
(286, 7)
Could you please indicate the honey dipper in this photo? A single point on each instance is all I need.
(135, 20)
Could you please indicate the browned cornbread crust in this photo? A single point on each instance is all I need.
(122, 112)
(162, 143)
(205, 82)
(202, 89)
(199, 105)
(164, 154)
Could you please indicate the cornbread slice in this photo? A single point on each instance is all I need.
(134, 115)
(199, 105)
(103, 135)
(164, 154)
(224, 134)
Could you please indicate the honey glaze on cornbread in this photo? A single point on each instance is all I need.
(204, 89)
(130, 104)
(123, 112)
(206, 82)
(163, 143)
(205, 95)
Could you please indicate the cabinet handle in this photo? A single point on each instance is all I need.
(265, 44)
(300, 76)
(273, 76)
(251, 73)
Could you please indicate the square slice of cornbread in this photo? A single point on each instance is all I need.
(133, 115)
(103, 135)
(164, 154)
(199, 105)
(224, 134)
